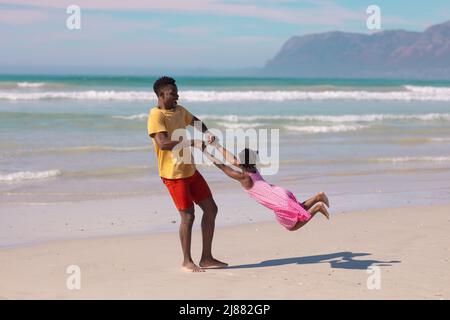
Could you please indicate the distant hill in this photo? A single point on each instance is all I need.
(387, 54)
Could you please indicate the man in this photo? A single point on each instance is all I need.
(185, 184)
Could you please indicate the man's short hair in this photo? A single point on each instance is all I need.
(161, 83)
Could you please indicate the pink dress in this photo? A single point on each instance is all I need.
(288, 211)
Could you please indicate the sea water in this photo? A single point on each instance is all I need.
(368, 143)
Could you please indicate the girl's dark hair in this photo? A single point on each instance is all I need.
(248, 158)
(161, 83)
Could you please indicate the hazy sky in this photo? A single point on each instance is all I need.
(174, 34)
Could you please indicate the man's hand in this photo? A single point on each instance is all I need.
(200, 144)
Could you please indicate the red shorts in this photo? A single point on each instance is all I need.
(186, 191)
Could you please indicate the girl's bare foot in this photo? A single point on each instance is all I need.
(191, 267)
(321, 207)
(323, 197)
(212, 263)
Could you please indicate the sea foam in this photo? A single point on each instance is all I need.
(410, 93)
(29, 175)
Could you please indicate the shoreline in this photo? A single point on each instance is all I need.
(323, 260)
(29, 224)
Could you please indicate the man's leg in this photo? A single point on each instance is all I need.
(187, 221)
(209, 208)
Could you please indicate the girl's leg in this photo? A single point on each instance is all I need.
(320, 197)
(319, 207)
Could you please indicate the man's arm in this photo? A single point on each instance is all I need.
(201, 126)
(198, 124)
(164, 143)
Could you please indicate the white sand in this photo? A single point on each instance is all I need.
(326, 259)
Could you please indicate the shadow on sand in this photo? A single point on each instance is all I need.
(338, 260)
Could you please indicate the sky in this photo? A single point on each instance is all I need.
(141, 35)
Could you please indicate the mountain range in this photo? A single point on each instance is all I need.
(385, 54)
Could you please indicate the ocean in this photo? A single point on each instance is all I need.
(368, 143)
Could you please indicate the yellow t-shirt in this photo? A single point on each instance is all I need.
(160, 120)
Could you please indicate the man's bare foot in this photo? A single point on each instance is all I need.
(192, 267)
(323, 197)
(212, 263)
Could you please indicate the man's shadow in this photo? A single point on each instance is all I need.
(338, 260)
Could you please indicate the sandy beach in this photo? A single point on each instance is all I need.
(336, 97)
(324, 260)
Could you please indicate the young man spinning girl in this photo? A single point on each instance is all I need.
(185, 184)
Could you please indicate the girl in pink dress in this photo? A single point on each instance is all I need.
(289, 212)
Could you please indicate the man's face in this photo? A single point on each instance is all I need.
(169, 96)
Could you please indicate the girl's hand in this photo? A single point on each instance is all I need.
(211, 138)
